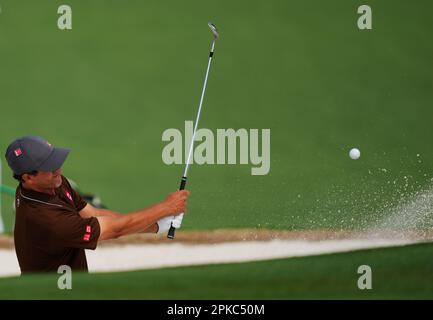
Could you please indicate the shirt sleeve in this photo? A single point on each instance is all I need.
(70, 230)
(79, 202)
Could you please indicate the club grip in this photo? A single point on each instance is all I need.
(182, 183)
(172, 230)
(170, 234)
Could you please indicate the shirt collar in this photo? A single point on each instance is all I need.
(37, 195)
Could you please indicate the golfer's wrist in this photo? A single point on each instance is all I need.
(164, 210)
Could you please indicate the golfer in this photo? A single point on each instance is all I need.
(53, 224)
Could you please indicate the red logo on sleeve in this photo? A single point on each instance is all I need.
(86, 236)
(18, 152)
(69, 196)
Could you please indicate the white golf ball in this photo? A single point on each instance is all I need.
(354, 154)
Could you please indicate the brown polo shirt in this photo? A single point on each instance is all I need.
(49, 232)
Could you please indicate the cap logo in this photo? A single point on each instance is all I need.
(86, 237)
(18, 152)
(88, 229)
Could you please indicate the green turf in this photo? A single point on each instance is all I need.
(128, 71)
(397, 273)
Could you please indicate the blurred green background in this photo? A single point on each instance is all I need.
(398, 273)
(131, 69)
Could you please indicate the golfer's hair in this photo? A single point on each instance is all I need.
(19, 177)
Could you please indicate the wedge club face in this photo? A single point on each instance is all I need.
(213, 29)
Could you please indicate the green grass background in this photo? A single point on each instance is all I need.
(397, 273)
(129, 70)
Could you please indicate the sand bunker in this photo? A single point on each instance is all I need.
(220, 246)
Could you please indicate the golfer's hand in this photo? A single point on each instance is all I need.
(176, 202)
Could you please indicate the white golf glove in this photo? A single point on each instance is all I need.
(177, 220)
(164, 224)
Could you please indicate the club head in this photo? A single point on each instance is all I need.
(213, 29)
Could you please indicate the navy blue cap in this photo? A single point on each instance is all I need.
(32, 153)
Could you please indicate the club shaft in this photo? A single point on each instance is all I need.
(172, 229)
(191, 146)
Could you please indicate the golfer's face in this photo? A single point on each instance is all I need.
(49, 180)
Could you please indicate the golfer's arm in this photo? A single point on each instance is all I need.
(114, 225)
(108, 213)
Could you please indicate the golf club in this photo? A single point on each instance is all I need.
(177, 220)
